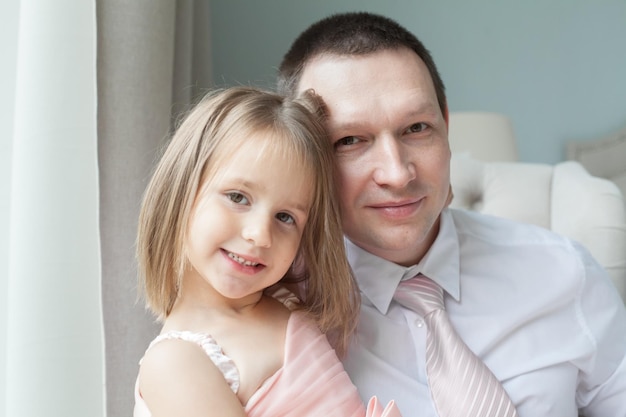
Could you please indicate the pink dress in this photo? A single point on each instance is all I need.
(311, 382)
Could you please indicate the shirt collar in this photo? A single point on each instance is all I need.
(379, 278)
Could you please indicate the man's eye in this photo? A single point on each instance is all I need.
(346, 141)
(285, 218)
(237, 198)
(417, 127)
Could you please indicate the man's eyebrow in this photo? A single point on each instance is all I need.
(345, 126)
(425, 108)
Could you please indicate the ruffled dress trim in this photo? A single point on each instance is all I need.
(212, 349)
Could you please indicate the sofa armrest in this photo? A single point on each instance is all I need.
(590, 210)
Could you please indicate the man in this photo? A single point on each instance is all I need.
(532, 306)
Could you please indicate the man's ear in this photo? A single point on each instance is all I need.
(450, 196)
(446, 116)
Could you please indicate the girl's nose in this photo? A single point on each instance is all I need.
(258, 232)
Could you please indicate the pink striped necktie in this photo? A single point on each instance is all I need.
(460, 383)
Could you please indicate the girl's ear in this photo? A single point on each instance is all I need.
(298, 266)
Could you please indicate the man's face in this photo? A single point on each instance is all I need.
(391, 145)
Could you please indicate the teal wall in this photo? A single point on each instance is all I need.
(557, 68)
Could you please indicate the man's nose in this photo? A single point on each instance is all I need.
(394, 166)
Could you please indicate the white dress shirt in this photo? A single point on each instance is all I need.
(534, 306)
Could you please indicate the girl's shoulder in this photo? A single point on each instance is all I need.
(180, 348)
(185, 373)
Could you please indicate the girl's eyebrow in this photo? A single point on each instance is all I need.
(301, 207)
(244, 183)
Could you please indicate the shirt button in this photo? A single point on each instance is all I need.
(419, 322)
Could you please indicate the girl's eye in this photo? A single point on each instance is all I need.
(285, 218)
(237, 198)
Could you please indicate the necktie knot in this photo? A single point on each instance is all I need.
(420, 294)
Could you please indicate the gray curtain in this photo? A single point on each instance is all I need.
(153, 61)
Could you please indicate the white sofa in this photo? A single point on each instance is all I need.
(562, 197)
(603, 157)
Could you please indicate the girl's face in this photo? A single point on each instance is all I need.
(246, 223)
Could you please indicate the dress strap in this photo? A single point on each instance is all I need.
(211, 348)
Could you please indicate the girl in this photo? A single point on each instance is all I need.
(243, 200)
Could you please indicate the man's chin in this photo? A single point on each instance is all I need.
(401, 251)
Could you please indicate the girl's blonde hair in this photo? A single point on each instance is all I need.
(212, 131)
